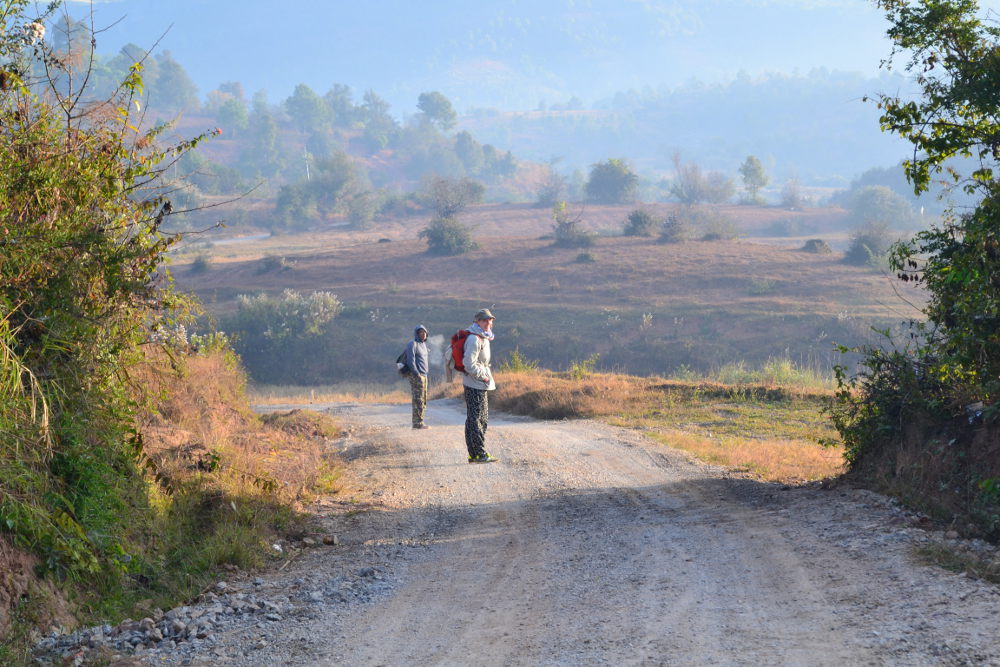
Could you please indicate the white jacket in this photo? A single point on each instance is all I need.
(477, 363)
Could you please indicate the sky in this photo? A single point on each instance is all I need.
(509, 54)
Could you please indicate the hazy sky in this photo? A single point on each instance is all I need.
(508, 54)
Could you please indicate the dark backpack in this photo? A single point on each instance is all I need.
(401, 365)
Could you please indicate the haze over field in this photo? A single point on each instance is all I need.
(510, 55)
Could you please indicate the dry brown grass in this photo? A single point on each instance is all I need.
(203, 422)
(629, 272)
(770, 432)
(350, 393)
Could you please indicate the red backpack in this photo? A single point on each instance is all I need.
(458, 349)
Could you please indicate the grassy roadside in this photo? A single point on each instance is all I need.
(769, 431)
(220, 486)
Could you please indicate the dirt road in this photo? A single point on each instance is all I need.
(589, 545)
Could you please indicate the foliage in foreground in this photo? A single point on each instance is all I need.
(919, 418)
(82, 296)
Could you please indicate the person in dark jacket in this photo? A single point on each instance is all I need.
(416, 361)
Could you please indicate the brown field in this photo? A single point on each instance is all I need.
(644, 307)
(520, 269)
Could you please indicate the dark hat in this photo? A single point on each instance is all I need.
(484, 314)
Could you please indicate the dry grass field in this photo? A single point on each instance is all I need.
(644, 307)
(766, 431)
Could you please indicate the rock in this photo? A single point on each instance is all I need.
(258, 582)
(155, 635)
(273, 617)
(308, 541)
(222, 587)
(330, 540)
(177, 627)
(951, 534)
(147, 624)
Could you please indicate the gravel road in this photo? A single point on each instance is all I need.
(586, 544)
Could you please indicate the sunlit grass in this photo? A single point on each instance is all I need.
(770, 431)
(357, 392)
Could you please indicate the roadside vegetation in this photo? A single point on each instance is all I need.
(131, 469)
(920, 418)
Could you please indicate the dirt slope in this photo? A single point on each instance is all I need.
(588, 545)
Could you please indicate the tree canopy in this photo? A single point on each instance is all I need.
(612, 182)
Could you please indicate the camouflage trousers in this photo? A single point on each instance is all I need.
(418, 389)
(477, 413)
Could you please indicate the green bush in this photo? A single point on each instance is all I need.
(869, 244)
(639, 223)
(448, 236)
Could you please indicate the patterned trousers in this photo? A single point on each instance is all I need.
(418, 389)
(477, 413)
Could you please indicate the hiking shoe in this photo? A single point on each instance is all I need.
(421, 426)
(485, 457)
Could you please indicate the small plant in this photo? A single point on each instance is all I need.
(518, 363)
(567, 229)
(675, 230)
(759, 286)
(585, 258)
(270, 263)
(578, 370)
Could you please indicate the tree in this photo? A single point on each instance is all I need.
(612, 182)
(688, 186)
(469, 152)
(233, 116)
(551, 188)
(879, 204)
(437, 109)
(340, 101)
(936, 394)
(754, 178)
(307, 109)
(954, 56)
(451, 197)
(173, 88)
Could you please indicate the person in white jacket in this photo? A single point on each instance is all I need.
(478, 381)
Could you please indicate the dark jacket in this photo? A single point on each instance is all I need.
(416, 353)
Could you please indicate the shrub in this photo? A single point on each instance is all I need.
(869, 244)
(567, 230)
(518, 363)
(675, 230)
(818, 246)
(448, 236)
(201, 264)
(585, 258)
(578, 370)
(639, 223)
